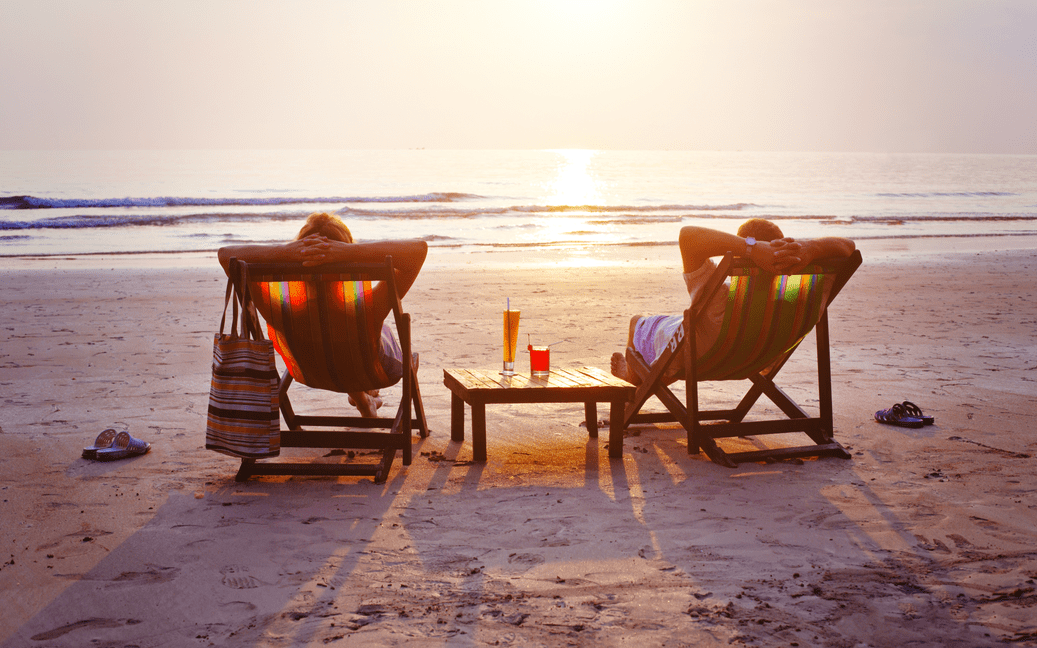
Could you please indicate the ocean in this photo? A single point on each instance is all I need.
(94, 202)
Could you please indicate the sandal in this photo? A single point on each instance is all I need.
(123, 446)
(916, 412)
(103, 441)
(898, 415)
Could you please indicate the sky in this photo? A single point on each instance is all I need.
(936, 76)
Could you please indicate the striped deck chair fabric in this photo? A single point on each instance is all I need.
(322, 328)
(766, 316)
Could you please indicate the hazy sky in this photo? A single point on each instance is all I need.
(811, 75)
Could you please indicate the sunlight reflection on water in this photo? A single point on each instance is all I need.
(574, 184)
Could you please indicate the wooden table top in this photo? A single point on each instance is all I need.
(564, 379)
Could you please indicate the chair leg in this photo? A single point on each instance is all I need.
(698, 436)
(715, 454)
(407, 450)
(824, 378)
(286, 405)
(387, 457)
(419, 409)
(245, 470)
(691, 390)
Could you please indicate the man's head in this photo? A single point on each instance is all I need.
(326, 225)
(760, 229)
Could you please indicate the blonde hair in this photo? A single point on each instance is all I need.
(326, 225)
(760, 229)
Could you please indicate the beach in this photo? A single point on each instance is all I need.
(926, 537)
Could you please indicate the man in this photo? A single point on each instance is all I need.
(760, 240)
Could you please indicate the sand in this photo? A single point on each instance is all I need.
(924, 538)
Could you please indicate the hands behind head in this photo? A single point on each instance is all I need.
(311, 250)
(785, 254)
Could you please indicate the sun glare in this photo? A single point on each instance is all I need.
(574, 185)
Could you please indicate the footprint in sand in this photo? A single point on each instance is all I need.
(960, 542)
(153, 574)
(936, 545)
(235, 578)
(526, 559)
(82, 625)
(238, 606)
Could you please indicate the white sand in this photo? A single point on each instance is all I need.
(925, 538)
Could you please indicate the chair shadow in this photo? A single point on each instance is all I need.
(657, 546)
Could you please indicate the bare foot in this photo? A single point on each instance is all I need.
(620, 368)
(367, 402)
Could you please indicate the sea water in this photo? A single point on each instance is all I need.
(92, 202)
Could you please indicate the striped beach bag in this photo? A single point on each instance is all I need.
(243, 420)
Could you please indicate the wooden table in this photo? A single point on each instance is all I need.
(587, 385)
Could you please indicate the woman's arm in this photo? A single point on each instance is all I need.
(407, 258)
(277, 253)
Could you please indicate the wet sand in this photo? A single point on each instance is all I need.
(926, 537)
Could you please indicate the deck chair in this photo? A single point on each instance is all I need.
(766, 318)
(318, 320)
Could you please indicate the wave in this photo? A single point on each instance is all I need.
(946, 194)
(33, 202)
(944, 218)
(450, 242)
(438, 197)
(608, 216)
(628, 208)
(431, 207)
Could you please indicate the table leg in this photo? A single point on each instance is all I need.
(456, 418)
(590, 413)
(617, 411)
(479, 431)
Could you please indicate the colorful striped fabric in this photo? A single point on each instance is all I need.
(766, 317)
(323, 329)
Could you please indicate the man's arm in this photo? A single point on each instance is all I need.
(700, 243)
(803, 253)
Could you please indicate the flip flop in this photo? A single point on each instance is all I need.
(103, 441)
(899, 416)
(123, 446)
(916, 412)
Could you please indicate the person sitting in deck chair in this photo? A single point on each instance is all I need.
(324, 238)
(760, 240)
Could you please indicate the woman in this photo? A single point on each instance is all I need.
(326, 239)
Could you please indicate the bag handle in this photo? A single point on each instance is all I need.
(249, 324)
(249, 328)
(226, 302)
(232, 291)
